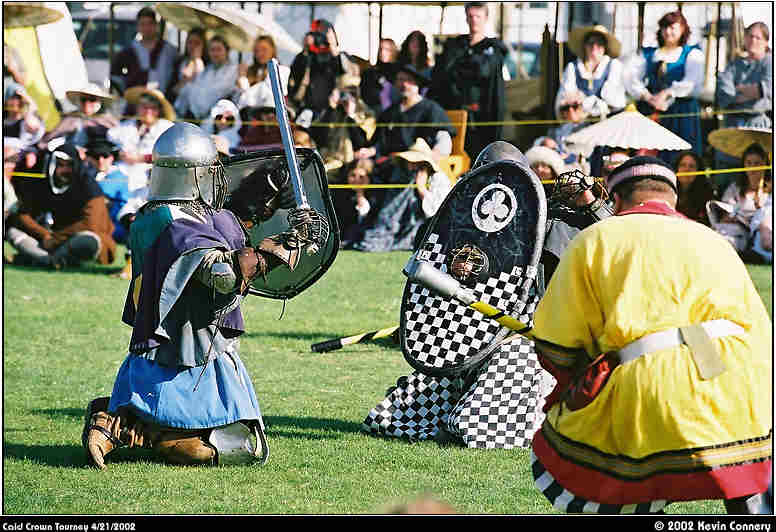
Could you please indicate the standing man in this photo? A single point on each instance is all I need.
(662, 349)
(182, 389)
(149, 61)
(469, 75)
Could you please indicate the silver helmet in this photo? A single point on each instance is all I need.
(186, 167)
(499, 150)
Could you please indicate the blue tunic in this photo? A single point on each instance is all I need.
(183, 369)
(687, 127)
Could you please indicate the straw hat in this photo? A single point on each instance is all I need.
(548, 156)
(133, 94)
(735, 140)
(89, 90)
(577, 40)
(420, 152)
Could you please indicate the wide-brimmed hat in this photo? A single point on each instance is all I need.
(422, 79)
(102, 145)
(133, 95)
(735, 140)
(577, 36)
(420, 151)
(548, 156)
(92, 90)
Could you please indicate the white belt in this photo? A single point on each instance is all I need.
(687, 336)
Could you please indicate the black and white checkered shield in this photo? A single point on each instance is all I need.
(488, 234)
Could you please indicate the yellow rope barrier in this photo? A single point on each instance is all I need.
(546, 182)
(468, 123)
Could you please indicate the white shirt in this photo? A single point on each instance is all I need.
(202, 93)
(612, 93)
(129, 136)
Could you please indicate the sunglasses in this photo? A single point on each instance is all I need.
(100, 155)
(90, 99)
(570, 106)
(228, 118)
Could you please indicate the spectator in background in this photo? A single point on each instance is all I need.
(315, 69)
(547, 164)
(413, 110)
(149, 60)
(224, 121)
(214, 83)
(694, 191)
(402, 213)
(597, 72)
(339, 142)
(136, 137)
(353, 205)
(746, 85)
(12, 147)
(92, 120)
(191, 63)
(414, 50)
(612, 158)
(667, 81)
(20, 117)
(101, 154)
(569, 108)
(253, 80)
(81, 228)
(751, 192)
(377, 88)
(469, 75)
(259, 129)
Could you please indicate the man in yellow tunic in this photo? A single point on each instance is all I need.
(664, 363)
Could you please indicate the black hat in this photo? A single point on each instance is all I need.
(422, 79)
(102, 146)
(641, 167)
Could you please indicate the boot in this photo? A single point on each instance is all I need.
(104, 432)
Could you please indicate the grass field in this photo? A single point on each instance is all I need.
(63, 343)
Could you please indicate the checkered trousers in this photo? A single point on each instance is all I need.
(501, 409)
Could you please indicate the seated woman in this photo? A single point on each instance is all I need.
(403, 211)
(92, 120)
(20, 117)
(224, 121)
(596, 72)
(695, 191)
(137, 137)
(214, 83)
(667, 80)
(742, 201)
(353, 205)
(189, 65)
(547, 164)
(253, 79)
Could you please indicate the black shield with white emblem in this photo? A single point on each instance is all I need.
(488, 234)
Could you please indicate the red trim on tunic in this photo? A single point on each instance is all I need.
(653, 207)
(720, 483)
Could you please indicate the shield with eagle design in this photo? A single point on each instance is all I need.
(488, 234)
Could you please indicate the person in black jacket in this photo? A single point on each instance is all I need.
(469, 75)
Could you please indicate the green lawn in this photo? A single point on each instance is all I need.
(63, 343)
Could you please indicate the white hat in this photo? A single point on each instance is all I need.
(547, 156)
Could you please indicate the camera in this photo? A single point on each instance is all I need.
(320, 44)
